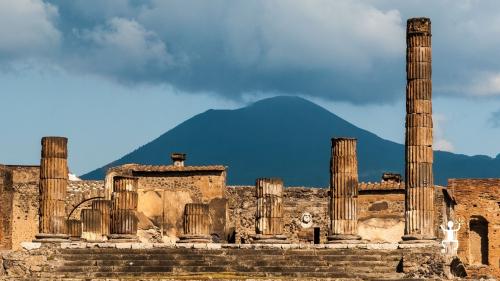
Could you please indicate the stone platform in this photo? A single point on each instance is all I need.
(187, 261)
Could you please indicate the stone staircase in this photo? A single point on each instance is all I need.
(222, 264)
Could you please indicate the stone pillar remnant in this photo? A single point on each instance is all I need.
(53, 188)
(91, 224)
(196, 224)
(74, 229)
(269, 213)
(104, 206)
(419, 184)
(123, 209)
(343, 191)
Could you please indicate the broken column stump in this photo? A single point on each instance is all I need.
(91, 225)
(269, 213)
(53, 188)
(123, 209)
(419, 183)
(343, 192)
(104, 206)
(74, 229)
(196, 224)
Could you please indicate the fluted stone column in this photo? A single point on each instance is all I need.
(343, 191)
(269, 213)
(91, 224)
(196, 224)
(74, 229)
(53, 188)
(419, 184)
(123, 209)
(104, 206)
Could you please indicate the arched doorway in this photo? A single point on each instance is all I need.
(478, 240)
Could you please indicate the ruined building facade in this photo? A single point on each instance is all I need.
(163, 205)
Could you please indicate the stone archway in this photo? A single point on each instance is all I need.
(86, 203)
(478, 241)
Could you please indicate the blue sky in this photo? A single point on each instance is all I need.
(113, 75)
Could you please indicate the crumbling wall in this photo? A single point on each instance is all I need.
(296, 201)
(381, 215)
(81, 194)
(478, 202)
(162, 197)
(6, 195)
(25, 203)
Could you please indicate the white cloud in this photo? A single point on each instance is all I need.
(121, 47)
(486, 84)
(440, 140)
(277, 35)
(311, 34)
(27, 28)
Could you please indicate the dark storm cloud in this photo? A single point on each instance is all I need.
(340, 50)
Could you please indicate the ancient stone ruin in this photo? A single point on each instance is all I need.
(182, 222)
(419, 207)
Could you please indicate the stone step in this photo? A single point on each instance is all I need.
(219, 275)
(256, 262)
(226, 268)
(136, 255)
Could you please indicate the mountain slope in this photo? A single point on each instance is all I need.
(287, 137)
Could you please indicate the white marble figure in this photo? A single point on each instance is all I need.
(306, 220)
(450, 242)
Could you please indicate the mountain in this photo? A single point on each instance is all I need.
(288, 137)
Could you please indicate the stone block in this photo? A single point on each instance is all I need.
(163, 245)
(382, 246)
(336, 246)
(142, 245)
(32, 245)
(124, 245)
(106, 245)
(214, 246)
(185, 245)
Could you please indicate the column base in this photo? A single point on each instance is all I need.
(417, 238)
(190, 238)
(51, 238)
(344, 239)
(122, 238)
(270, 239)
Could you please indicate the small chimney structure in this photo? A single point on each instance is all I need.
(178, 159)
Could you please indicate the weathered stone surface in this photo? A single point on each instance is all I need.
(477, 210)
(269, 211)
(343, 190)
(31, 245)
(419, 207)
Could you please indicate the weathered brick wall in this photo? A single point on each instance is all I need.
(25, 203)
(478, 200)
(6, 194)
(81, 194)
(296, 201)
(380, 217)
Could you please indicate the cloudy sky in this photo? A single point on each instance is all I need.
(113, 74)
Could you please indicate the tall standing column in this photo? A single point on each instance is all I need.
(419, 184)
(53, 189)
(343, 191)
(269, 213)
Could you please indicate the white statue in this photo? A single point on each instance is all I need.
(306, 220)
(450, 241)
